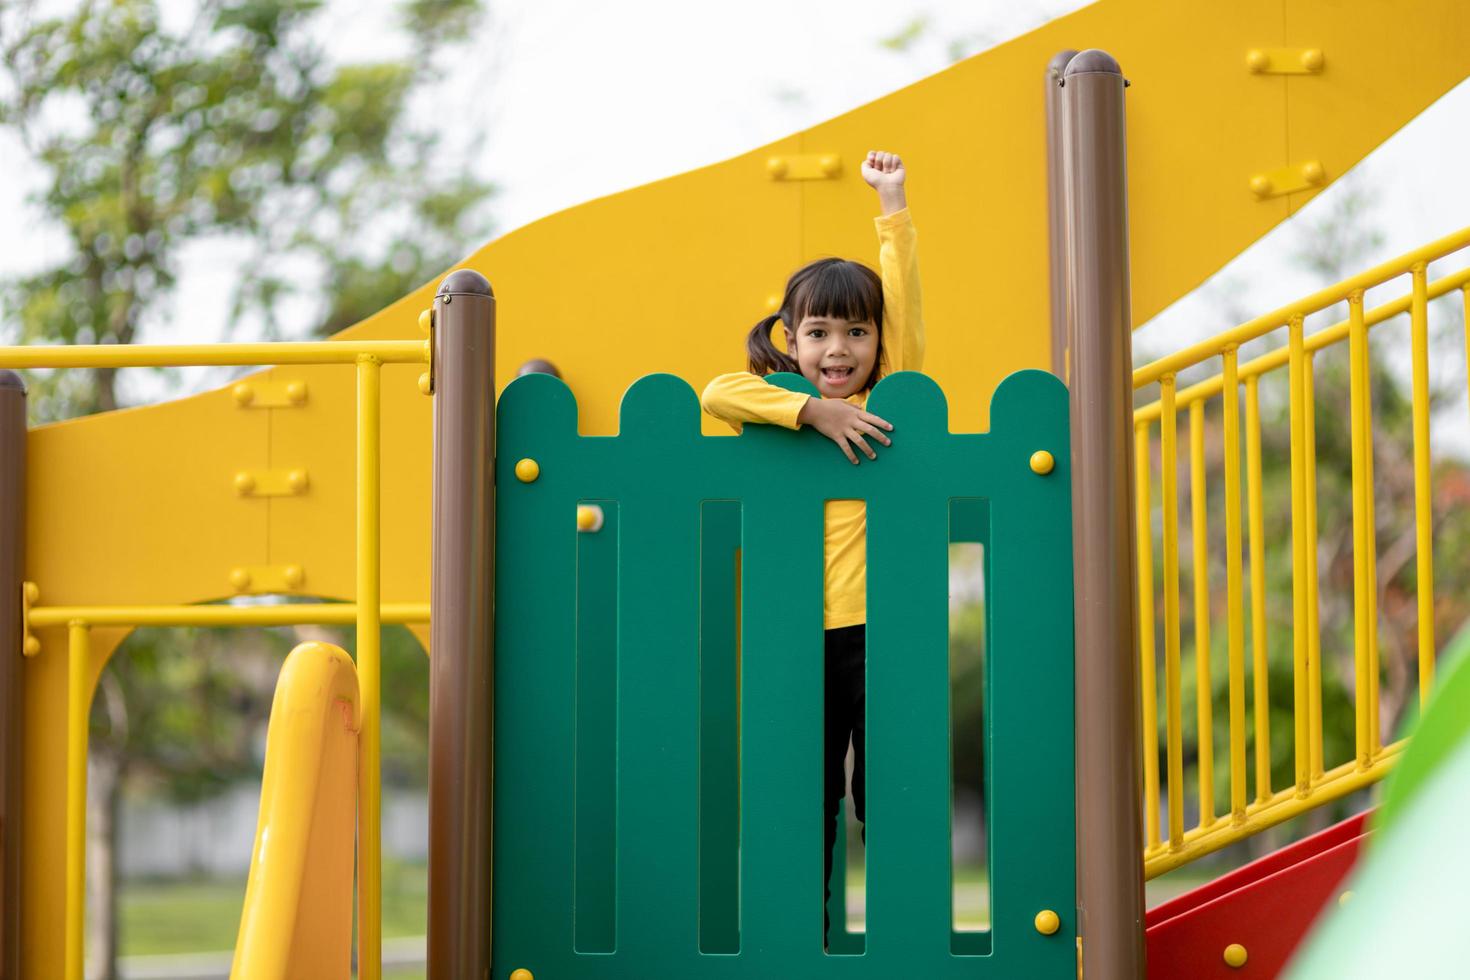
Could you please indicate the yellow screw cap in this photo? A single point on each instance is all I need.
(1312, 59)
(244, 394)
(32, 646)
(527, 470)
(521, 974)
(1256, 60)
(297, 480)
(1235, 955)
(776, 167)
(1313, 173)
(426, 319)
(586, 518)
(244, 482)
(425, 385)
(296, 392)
(1260, 185)
(240, 579)
(294, 576)
(33, 593)
(1042, 462)
(830, 164)
(1047, 922)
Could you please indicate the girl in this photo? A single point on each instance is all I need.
(845, 328)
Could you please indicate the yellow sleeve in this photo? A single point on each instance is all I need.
(903, 316)
(744, 397)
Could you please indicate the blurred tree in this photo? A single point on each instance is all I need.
(154, 127)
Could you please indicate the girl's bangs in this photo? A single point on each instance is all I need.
(842, 290)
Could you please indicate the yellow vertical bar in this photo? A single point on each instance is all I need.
(369, 669)
(1357, 399)
(1173, 722)
(1465, 315)
(1234, 589)
(1302, 754)
(1423, 513)
(78, 701)
(1258, 586)
(1314, 629)
(1371, 549)
(1146, 638)
(1204, 691)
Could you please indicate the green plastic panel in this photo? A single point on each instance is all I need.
(693, 741)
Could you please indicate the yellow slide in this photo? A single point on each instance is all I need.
(297, 920)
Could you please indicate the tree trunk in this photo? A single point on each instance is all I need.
(104, 795)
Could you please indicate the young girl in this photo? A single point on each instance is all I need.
(845, 328)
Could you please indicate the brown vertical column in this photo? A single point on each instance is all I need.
(12, 574)
(1099, 327)
(1056, 210)
(462, 629)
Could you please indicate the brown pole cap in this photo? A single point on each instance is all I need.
(9, 379)
(462, 282)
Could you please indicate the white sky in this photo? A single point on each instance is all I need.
(586, 99)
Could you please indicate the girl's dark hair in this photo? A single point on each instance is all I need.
(838, 288)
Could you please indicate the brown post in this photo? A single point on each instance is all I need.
(462, 629)
(1056, 209)
(12, 575)
(1099, 328)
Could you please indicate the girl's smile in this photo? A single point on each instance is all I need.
(836, 355)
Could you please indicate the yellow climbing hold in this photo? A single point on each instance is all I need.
(1047, 922)
(527, 470)
(1235, 955)
(1042, 462)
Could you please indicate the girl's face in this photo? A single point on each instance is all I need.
(836, 355)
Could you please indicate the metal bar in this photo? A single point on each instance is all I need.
(1258, 587)
(283, 614)
(1279, 808)
(1325, 337)
(1173, 721)
(1319, 300)
(1423, 503)
(1371, 548)
(1099, 331)
(462, 633)
(1056, 212)
(1300, 703)
(1204, 689)
(1357, 397)
(1314, 626)
(369, 669)
(1147, 653)
(78, 701)
(202, 355)
(1234, 589)
(12, 632)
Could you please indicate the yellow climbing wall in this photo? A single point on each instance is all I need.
(140, 506)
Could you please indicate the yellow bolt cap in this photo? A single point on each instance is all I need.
(1312, 172)
(244, 394)
(586, 517)
(32, 646)
(1042, 462)
(521, 974)
(240, 579)
(1235, 955)
(294, 576)
(244, 482)
(298, 480)
(1260, 185)
(527, 470)
(830, 164)
(776, 167)
(425, 385)
(1312, 59)
(1047, 922)
(426, 320)
(1256, 60)
(296, 392)
(33, 593)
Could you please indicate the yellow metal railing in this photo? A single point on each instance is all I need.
(1248, 812)
(368, 614)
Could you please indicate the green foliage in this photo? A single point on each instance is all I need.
(234, 125)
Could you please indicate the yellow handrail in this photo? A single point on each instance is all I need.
(1311, 784)
(214, 355)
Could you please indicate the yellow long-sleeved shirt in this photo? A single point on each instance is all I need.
(743, 397)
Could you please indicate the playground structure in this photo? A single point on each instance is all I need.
(286, 499)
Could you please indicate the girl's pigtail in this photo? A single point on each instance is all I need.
(764, 356)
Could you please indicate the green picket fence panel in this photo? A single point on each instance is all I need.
(658, 750)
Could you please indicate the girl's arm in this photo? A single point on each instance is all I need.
(898, 263)
(744, 397)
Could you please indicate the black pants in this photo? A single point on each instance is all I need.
(845, 719)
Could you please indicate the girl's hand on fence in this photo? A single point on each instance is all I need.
(885, 173)
(845, 424)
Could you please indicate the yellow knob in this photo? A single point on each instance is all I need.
(294, 576)
(1042, 462)
(586, 518)
(1257, 60)
(1312, 59)
(32, 646)
(527, 470)
(426, 320)
(244, 394)
(1313, 173)
(425, 384)
(296, 392)
(33, 593)
(830, 164)
(1047, 922)
(1260, 185)
(776, 167)
(240, 579)
(1235, 955)
(297, 480)
(521, 974)
(244, 483)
